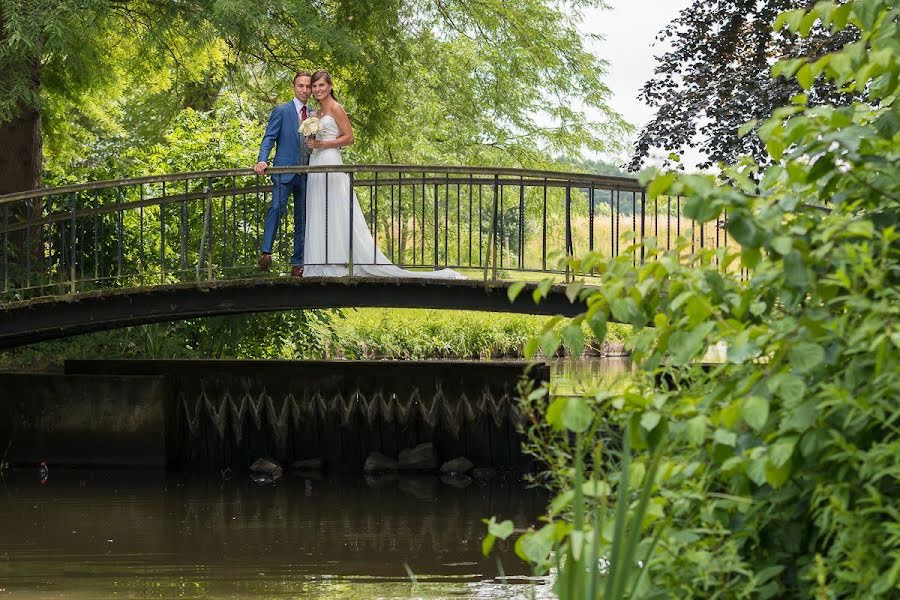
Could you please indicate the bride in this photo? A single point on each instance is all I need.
(328, 203)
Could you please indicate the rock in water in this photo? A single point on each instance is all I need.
(421, 458)
(459, 465)
(265, 467)
(379, 463)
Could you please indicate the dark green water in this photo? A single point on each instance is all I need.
(142, 535)
(146, 534)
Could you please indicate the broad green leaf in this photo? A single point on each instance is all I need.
(501, 530)
(650, 419)
(757, 308)
(660, 184)
(487, 543)
(781, 244)
(561, 502)
(513, 291)
(534, 547)
(549, 342)
(576, 414)
(755, 412)
(777, 476)
(781, 451)
(573, 338)
(542, 289)
(597, 324)
(744, 230)
(573, 289)
(806, 356)
(725, 437)
(695, 429)
(787, 387)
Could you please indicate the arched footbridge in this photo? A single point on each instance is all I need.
(104, 255)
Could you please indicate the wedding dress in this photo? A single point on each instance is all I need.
(368, 261)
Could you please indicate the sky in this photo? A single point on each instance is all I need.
(629, 28)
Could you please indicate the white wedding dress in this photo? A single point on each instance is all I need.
(331, 222)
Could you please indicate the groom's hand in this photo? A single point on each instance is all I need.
(260, 168)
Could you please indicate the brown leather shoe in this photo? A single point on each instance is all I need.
(264, 262)
(296, 271)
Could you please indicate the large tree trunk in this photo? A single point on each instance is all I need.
(20, 159)
(20, 170)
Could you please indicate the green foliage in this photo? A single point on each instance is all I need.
(781, 475)
(419, 334)
(424, 82)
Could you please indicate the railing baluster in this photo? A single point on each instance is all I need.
(446, 218)
(162, 236)
(5, 248)
(480, 225)
(327, 223)
(612, 223)
(141, 242)
(521, 244)
(643, 215)
(74, 232)
(183, 231)
(436, 218)
(424, 199)
(470, 220)
(120, 233)
(569, 243)
(401, 247)
(375, 221)
(458, 229)
(350, 209)
(633, 224)
(502, 228)
(544, 230)
(668, 222)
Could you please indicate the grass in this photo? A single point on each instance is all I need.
(375, 333)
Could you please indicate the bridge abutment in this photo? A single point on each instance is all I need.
(213, 414)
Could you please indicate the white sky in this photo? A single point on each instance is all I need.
(629, 29)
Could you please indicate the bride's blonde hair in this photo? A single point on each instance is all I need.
(323, 74)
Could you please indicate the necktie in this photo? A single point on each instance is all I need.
(303, 113)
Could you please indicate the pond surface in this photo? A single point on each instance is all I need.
(148, 534)
(102, 534)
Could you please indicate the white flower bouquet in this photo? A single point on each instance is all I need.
(310, 127)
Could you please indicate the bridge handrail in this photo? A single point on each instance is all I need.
(625, 184)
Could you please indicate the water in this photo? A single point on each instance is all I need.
(95, 534)
(146, 534)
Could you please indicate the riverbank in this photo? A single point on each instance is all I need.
(366, 333)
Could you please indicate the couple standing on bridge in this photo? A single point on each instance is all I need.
(322, 201)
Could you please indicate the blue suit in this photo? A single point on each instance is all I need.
(282, 132)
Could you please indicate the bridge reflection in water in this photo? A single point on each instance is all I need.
(93, 534)
(195, 231)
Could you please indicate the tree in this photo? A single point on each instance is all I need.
(715, 77)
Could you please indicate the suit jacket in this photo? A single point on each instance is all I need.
(283, 133)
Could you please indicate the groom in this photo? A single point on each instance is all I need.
(290, 151)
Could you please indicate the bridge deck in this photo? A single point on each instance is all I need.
(54, 317)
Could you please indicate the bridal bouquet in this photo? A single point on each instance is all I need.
(310, 127)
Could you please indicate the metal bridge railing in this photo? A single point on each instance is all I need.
(208, 226)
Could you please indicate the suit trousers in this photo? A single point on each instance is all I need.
(278, 207)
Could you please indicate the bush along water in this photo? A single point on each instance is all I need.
(775, 473)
